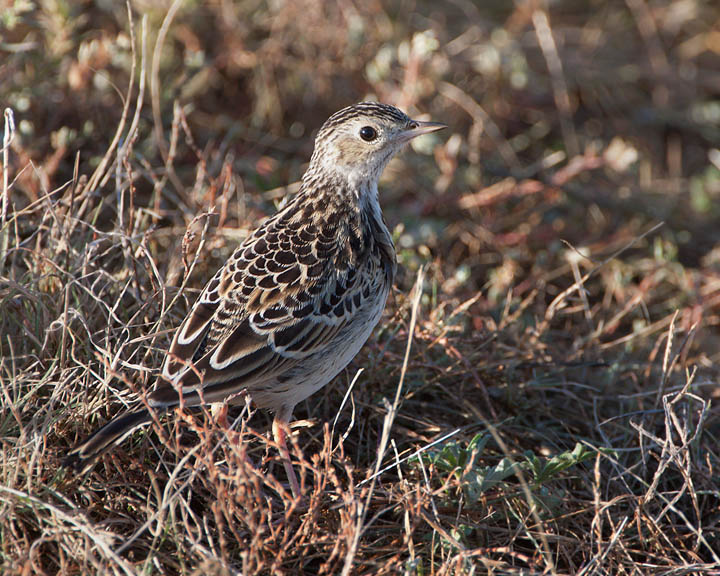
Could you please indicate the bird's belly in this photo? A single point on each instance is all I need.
(315, 371)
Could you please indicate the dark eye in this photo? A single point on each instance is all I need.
(368, 133)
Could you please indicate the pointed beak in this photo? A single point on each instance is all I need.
(418, 128)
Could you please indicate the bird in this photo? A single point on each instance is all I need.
(298, 298)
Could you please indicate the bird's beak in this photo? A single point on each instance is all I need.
(420, 128)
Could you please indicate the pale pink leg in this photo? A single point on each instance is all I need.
(280, 427)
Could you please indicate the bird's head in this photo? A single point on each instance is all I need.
(357, 142)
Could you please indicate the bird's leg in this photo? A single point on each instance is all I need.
(280, 427)
(219, 411)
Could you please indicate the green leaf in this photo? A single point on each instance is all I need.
(542, 472)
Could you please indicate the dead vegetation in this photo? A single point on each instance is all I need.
(544, 404)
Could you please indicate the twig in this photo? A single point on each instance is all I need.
(154, 78)
(100, 171)
(425, 448)
(342, 405)
(555, 304)
(8, 136)
(560, 90)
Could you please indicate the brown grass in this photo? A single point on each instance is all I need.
(544, 404)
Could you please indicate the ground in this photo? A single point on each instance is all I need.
(541, 394)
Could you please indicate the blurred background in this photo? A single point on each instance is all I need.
(568, 219)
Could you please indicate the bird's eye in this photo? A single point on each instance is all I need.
(368, 133)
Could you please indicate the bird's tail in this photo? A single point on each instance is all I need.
(84, 456)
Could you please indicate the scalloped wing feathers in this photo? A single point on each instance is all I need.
(285, 294)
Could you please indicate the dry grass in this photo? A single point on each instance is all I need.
(556, 389)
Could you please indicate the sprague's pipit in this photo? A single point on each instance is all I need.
(300, 296)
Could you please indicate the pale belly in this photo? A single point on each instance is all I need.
(315, 371)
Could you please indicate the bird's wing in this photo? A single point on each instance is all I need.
(280, 298)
